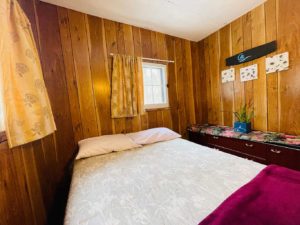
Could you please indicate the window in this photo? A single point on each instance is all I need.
(155, 86)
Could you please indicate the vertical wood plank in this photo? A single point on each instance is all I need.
(14, 207)
(188, 82)
(83, 74)
(215, 77)
(226, 88)
(111, 47)
(32, 180)
(152, 119)
(146, 43)
(167, 119)
(154, 50)
(289, 89)
(111, 41)
(259, 85)
(22, 185)
(172, 83)
(237, 47)
(100, 73)
(159, 118)
(51, 164)
(203, 87)
(208, 81)
(272, 79)
(180, 87)
(44, 173)
(162, 52)
(247, 39)
(196, 81)
(70, 73)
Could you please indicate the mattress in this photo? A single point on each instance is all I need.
(175, 182)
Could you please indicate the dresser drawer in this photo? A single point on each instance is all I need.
(283, 156)
(254, 149)
(230, 145)
(251, 150)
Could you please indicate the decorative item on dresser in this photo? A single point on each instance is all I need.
(243, 119)
(262, 147)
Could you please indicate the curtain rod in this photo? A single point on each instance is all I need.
(151, 59)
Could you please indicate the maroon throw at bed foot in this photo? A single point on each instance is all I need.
(271, 198)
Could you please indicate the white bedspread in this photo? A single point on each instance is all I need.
(169, 183)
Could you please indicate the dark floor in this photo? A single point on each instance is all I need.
(57, 213)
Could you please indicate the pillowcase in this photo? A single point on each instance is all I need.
(153, 135)
(104, 144)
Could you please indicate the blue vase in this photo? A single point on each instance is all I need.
(242, 127)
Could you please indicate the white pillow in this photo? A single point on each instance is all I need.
(153, 135)
(104, 144)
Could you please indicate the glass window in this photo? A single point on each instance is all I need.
(155, 86)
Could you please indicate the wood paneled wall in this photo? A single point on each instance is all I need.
(87, 42)
(74, 50)
(276, 96)
(30, 175)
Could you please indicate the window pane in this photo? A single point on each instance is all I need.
(147, 76)
(157, 94)
(156, 76)
(155, 90)
(148, 99)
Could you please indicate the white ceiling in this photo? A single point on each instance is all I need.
(189, 19)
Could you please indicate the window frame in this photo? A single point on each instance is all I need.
(165, 86)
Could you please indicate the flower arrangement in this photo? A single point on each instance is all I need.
(243, 120)
(243, 116)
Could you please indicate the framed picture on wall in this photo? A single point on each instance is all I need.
(249, 73)
(228, 75)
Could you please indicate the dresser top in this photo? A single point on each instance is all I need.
(259, 136)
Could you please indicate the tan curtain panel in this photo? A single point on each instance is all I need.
(27, 110)
(127, 98)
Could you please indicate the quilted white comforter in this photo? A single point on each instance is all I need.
(169, 183)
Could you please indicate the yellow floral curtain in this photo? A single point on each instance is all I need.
(127, 99)
(27, 111)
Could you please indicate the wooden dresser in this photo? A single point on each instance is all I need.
(257, 151)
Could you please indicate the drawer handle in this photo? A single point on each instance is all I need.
(275, 151)
(215, 137)
(249, 145)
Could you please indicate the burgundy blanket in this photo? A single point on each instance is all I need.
(271, 198)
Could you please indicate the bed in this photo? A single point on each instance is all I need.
(173, 182)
